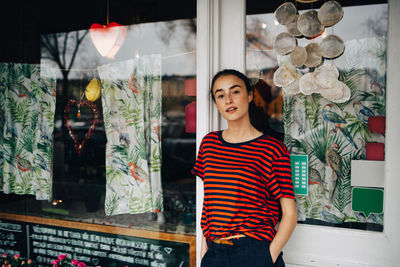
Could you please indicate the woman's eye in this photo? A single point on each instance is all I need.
(236, 92)
(220, 96)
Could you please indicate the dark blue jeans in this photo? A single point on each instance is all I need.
(245, 252)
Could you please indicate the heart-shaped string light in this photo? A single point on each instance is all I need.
(79, 146)
(109, 38)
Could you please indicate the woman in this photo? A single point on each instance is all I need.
(247, 184)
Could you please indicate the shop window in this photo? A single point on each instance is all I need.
(98, 122)
(341, 138)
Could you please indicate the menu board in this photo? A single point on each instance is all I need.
(12, 237)
(44, 243)
(299, 165)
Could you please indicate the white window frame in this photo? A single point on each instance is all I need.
(221, 44)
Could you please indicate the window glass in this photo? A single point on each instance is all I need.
(339, 182)
(99, 127)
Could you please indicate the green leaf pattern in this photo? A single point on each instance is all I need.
(131, 97)
(27, 105)
(306, 132)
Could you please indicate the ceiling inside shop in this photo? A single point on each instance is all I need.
(62, 16)
(23, 21)
(259, 7)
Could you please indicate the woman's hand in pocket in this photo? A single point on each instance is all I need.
(274, 254)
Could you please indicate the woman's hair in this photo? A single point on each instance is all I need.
(258, 119)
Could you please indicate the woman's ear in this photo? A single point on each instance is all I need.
(251, 95)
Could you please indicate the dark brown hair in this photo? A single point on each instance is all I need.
(256, 115)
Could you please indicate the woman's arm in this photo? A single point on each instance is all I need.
(286, 227)
(204, 247)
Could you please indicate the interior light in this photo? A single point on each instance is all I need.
(107, 39)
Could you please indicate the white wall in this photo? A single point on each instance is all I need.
(392, 175)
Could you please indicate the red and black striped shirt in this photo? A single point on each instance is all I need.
(242, 185)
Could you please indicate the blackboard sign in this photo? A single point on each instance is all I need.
(44, 243)
(12, 237)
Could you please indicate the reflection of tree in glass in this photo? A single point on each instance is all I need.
(62, 49)
(378, 24)
(259, 38)
(187, 27)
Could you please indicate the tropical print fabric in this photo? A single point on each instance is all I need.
(131, 98)
(333, 134)
(27, 97)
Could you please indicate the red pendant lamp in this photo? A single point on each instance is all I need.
(109, 38)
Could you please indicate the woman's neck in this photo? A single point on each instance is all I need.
(236, 133)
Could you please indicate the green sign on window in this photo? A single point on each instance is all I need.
(367, 200)
(299, 164)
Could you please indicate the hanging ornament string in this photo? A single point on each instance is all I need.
(108, 12)
(79, 146)
(79, 103)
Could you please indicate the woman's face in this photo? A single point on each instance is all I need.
(231, 97)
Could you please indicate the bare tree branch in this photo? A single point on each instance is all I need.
(65, 46)
(57, 51)
(78, 42)
(47, 44)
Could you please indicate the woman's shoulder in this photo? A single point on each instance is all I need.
(277, 145)
(211, 137)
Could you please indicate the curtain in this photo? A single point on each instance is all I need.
(27, 97)
(334, 134)
(131, 99)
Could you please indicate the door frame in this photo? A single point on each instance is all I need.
(221, 34)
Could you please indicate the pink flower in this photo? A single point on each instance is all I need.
(29, 261)
(81, 264)
(55, 262)
(62, 257)
(16, 256)
(4, 255)
(23, 262)
(74, 262)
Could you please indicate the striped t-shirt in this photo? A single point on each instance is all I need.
(242, 185)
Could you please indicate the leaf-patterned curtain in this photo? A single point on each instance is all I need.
(131, 98)
(27, 99)
(334, 134)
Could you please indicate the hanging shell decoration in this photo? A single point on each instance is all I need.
(314, 55)
(307, 84)
(309, 25)
(298, 56)
(332, 46)
(284, 14)
(330, 13)
(285, 75)
(292, 27)
(293, 88)
(326, 76)
(285, 43)
(321, 78)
